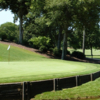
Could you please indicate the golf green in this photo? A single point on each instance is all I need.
(37, 70)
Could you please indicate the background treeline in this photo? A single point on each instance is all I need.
(53, 25)
(9, 32)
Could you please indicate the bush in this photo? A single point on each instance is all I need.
(78, 54)
(34, 42)
(37, 42)
(43, 49)
(8, 31)
(51, 49)
(3, 36)
(25, 42)
(56, 52)
(68, 52)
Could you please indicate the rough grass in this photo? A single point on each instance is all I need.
(88, 90)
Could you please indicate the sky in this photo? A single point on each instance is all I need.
(7, 16)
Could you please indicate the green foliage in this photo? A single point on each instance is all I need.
(19, 8)
(75, 39)
(68, 52)
(56, 52)
(46, 16)
(34, 42)
(51, 49)
(93, 37)
(78, 54)
(43, 48)
(9, 31)
(37, 42)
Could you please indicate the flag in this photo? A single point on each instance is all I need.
(8, 47)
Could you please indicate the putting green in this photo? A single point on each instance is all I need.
(37, 70)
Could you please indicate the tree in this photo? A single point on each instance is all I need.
(36, 22)
(59, 12)
(18, 7)
(8, 31)
(87, 16)
(93, 38)
(65, 13)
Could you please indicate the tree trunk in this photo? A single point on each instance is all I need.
(59, 38)
(64, 46)
(84, 39)
(20, 30)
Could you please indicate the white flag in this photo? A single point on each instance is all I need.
(8, 47)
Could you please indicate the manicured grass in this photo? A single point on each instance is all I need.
(29, 66)
(41, 70)
(18, 54)
(86, 90)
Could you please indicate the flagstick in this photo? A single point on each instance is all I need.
(9, 56)
(9, 53)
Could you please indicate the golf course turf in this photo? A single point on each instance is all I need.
(41, 70)
(87, 91)
(25, 65)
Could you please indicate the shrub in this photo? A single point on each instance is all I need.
(68, 52)
(37, 42)
(25, 42)
(78, 54)
(3, 36)
(56, 52)
(16, 40)
(43, 49)
(51, 49)
(45, 41)
(34, 42)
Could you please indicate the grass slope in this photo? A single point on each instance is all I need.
(18, 54)
(90, 89)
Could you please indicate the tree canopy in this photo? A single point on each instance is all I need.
(19, 8)
(9, 31)
(63, 21)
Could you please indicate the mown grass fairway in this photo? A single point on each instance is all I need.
(25, 65)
